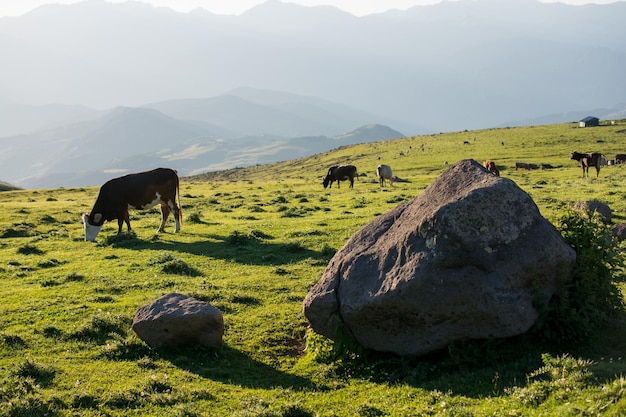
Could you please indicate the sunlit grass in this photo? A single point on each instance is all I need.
(253, 242)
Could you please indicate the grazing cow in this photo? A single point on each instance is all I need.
(384, 173)
(620, 158)
(521, 165)
(142, 190)
(587, 160)
(340, 173)
(491, 166)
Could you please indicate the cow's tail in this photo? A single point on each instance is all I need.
(180, 207)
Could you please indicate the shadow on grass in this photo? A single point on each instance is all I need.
(247, 249)
(491, 368)
(484, 376)
(226, 364)
(231, 366)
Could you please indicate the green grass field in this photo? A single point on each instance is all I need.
(253, 242)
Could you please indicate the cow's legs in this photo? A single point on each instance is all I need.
(165, 212)
(120, 221)
(127, 220)
(177, 215)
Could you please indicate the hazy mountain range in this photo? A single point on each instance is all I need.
(91, 89)
(255, 127)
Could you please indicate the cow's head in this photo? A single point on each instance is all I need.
(326, 181)
(91, 230)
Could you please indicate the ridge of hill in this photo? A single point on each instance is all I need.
(420, 159)
(132, 139)
(5, 186)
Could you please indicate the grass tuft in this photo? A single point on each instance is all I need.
(194, 218)
(29, 250)
(74, 277)
(48, 219)
(12, 341)
(246, 300)
(52, 332)
(100, 329)
(18, 230)
(170, 264)
(127, 350)
(48, 263)
(238, 238)
(29, 369)
(122, 240)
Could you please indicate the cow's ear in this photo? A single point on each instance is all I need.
(97, 217)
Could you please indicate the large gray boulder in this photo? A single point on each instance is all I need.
(179, 320)
(466, 259)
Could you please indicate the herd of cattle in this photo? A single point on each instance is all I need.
(145, 190)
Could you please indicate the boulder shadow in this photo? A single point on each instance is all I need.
(231, 366)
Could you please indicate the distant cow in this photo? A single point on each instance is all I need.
(384, 172)
(521, 165)
(620, 158)
(587, 160)
(340, 173)
(491, 166)
(142, 191)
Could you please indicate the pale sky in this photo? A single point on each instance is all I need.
(236, 7)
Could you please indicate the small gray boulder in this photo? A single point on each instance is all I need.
(590, 207)
(619, 230)
(179, 320)
(466, 259)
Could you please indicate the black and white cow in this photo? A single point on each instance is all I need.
(384, 172)
(340, 173)
(142, 190)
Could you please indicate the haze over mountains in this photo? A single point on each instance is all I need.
(95, 88)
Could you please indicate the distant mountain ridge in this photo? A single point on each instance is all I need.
(248, 111)
(130, 139)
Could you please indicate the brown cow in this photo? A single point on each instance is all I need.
(142, 190)
(491, 166)
(587, 160)
(340, 173)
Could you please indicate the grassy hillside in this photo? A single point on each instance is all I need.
(253, 242)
